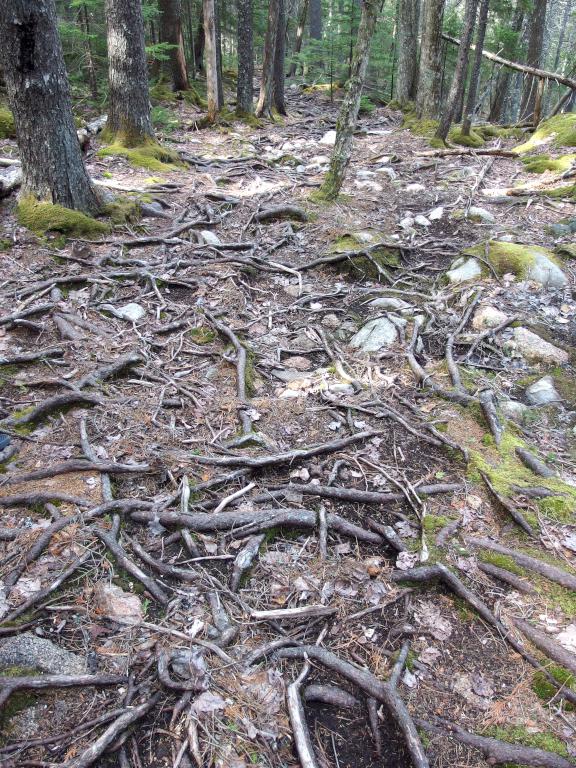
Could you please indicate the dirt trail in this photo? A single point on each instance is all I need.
(250, 445)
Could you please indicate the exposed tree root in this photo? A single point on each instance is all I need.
(547, 645)
(511, 508)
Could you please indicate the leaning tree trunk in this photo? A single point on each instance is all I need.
(476, 67)
(245, 82)
(129, 102)
(199, 46)
(39, 95)
(407, 47)
(299, 36)
(459, 77)
(211, 60)
(171, 32)
(430, 70)
(279, 56)
(264, 106)
(536, 30)
(349, 111)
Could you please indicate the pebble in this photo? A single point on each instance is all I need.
(488, 317)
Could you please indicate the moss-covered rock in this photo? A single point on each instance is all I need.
(123, 210)
(378, 256)
(424, 127)
(525, 261)
(474, 139)
(149, 154)
(542, 163)
(42, 217)
(7, 127)
(559, 131)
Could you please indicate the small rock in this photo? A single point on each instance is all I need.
(406, 223)
(514, 410)
(286, 375)
(329, 138)
(488, 317)
(298, 363)
(464, 269)
(372, 186)
(210, 238)
(481, 214)
(375, 335)
(331, 321)
(364, 174)
(132, 312)
(389, 302)
(113, 601)
(535, 349)
(543, 392)
(414, 188)
(422, 221)
(36, 653)
(190, 664)
(436, 214)
(390, 172)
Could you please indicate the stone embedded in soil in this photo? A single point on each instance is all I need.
(414, 188)
(331, 321)
(389, 302)
(488, 317)
(27, 651)
(464, 269)
(210, 238)
(533, 348)
(286, 376)
(376, 334)
(132, 312)
(111, 600)
(298, 363)
(476, 213)
(547, 273)
(543, 392)
(422, 221)
(514, 410)
(329, 138)
(436, 214)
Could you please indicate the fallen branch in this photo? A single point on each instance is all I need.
(108, 371)
(303, 612)
(37, 310)
(547, 645)
(280, 212)
(533, 463)
(9, 685)
(31, 357)
(464, 151)
(244, 560)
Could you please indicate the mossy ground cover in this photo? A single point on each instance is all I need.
(7, 127)
(42, 217)
(519, 734)
(542, 163)
(559, 131)
(149, 154)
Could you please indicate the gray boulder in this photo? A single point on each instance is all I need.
(376, 334)
(28, 651)
(543, 392)
(464, 269)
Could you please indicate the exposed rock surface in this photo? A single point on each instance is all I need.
(27, 651)
(111, 600)
(535, 349)
(376, 334)
(543, 392)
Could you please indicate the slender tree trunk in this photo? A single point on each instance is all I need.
(199, 46)
(476, 67)
(129, 101)
(245, 82)
(92, 81)
(218, 27)
(315, 22)
(39, 95)
(348, 116)
(429, 74)
(504, 77)
(407, 47)
(299, 36)
(459, 77)
(211, 60)
(190, 36)
(279, 57)
(171, 32)
(535, 45)
(264, 105)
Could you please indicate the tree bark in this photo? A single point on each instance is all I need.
(211, 60)
(39, 96)
(477, 65)
(503, 82)
(129, 101)
(315, 16)
(199, 46)
(407, 47)
(92, 82)
(245, 82)
(171, 32)
(459, 77)
(429, 74)
(279, 57)
(264, 106)
(537, 25)
(299, 36)
(220, 82)
(348, 116)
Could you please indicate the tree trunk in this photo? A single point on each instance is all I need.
(211, 60)
(39, 95)
(459, 77)
(428, 93)
(535, 44)
(348, 116)
(245, 82)
(503, 83)
(299, 36)
(407, 47)
(92, 82)
(315, 11)
(562, 36)
(279, 56)
(199, 46)
(266, 85)
(475, 77)
(171, 32)
(129, 101)
(219, 80)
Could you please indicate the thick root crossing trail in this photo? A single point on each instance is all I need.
(287, 483)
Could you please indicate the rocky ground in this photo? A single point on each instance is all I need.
(253, 435)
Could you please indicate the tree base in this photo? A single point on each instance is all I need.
(142, 153)
(42, 217)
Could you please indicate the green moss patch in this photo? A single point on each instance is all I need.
(42, 217)
(202, 335)
(506, 257)
(542, 163)
(474, 139)
(560, 131)
(545, 690)
(424, 127)
(150, 155)
(123, 210)
(379, 256)
(7, 127)
(518, 734)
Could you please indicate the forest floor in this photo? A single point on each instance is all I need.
(154, 406)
